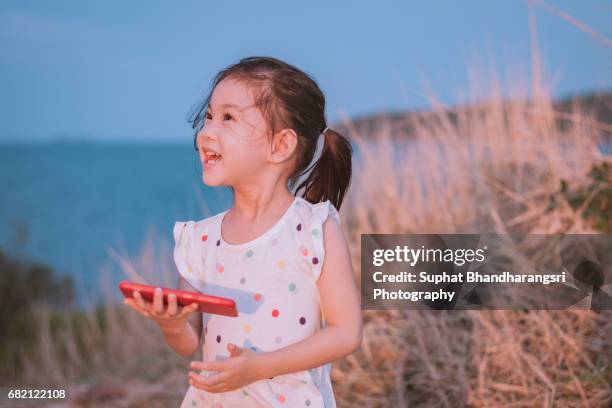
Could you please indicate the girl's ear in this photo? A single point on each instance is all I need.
(283, 145)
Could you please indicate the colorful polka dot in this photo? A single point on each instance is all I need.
(189, 268)
(218, 338)
(220, 267)
(315, 231)
(281, 264)
(257, 296)
(249, 253)
(303, 250)
(281, 397)
(242, 280)
(204, 237)
(292, 287)
(302, 320)
(275, 313)
(218, 405)
(299, 227)
(315, 260)
(184, 225)
(247, 329)
(274, 241)
(307, 402)
(244, 393)
(218, 242)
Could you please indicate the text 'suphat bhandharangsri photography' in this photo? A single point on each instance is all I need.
(486, 271)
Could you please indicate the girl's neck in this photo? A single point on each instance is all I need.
(249, 208)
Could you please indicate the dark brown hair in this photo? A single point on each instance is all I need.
(289, 98)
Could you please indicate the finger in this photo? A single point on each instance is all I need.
(128, 301)
(234, 349)
(209, 365)
(133, 305)
(172, 304)
(185, 310)
(215, 381)
(216, 389)
(140, 301)
(158, 307)
(189, 309)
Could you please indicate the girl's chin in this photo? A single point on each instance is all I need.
(208, 178)
(211, 181)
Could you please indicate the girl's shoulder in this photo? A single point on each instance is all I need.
(188, 251)
(183, 230)
(316, 213)
(307, 230)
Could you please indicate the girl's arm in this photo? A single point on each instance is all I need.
(189, 340)
(341, 303)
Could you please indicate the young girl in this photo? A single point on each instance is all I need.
(282, 258)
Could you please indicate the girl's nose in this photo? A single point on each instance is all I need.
(206, 133)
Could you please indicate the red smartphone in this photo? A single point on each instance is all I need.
(207, 303)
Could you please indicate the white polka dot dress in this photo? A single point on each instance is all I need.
(273, 280)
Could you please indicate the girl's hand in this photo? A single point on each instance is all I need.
(240, 369)
(172, 320)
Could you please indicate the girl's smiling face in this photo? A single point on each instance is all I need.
(236, 130)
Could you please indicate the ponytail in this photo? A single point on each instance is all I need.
(331, 175)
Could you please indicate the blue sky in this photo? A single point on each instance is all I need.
(132, 70)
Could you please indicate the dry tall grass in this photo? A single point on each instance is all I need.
(494, 167)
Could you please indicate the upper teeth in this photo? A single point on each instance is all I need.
(211, 156)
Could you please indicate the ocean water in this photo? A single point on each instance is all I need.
(64, 204)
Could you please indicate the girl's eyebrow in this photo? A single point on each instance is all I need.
(227, 105)
(240, 109)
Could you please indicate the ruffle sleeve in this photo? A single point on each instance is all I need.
(320, 213)
(188, 255)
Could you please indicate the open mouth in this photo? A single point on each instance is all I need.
(212, 158)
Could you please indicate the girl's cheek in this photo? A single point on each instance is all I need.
(247, 166)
